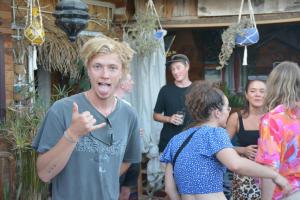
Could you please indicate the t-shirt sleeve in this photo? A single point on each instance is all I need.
(160, 104)
(269, 147)
(217, 140)
(49, 133)
(167, 154)
(133, 153)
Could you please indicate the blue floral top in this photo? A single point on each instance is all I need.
(197, 170)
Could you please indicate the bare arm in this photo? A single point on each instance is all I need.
(174, 119)
(170, 186)
(232, 128)
(124, 167)
(267, 189)
(50, 163)
(232, 125)
(161, 118)
(243, 166)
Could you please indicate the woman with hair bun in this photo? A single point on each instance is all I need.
(197, 157)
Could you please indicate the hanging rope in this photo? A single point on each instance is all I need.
(151, 6)
(160, 33)
(249, 35)
(34, 30)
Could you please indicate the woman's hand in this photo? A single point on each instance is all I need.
(283, 183)
(250, 152)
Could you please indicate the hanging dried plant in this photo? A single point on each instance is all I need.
(228, 39)
(58, 53)
(140, 35)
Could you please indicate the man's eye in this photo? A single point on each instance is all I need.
(113, 68)
(98, 67)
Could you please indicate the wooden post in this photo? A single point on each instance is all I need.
(2, 80)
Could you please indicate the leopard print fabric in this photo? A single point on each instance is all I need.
(245, 188)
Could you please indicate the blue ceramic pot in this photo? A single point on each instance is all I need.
(247, 37)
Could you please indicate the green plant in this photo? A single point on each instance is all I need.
(60, 92)
(236, 100)
(20, 127)
(6, 193)
(228, 39)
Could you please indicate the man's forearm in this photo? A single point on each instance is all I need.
(161, 118)
(50, 163)
(124, 167)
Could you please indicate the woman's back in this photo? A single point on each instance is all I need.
(197, 170)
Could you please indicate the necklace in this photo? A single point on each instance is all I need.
(103, 111)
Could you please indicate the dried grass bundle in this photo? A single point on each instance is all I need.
(58, 53)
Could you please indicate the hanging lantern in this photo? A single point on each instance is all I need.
(72, 17)
(34, 30)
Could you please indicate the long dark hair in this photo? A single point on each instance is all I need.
(245, 110)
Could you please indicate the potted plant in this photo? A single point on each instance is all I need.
(145, 35)
(242, 33)
(20, 128)
(229, 39)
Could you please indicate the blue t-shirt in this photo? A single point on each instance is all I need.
(197, 170)
(92, 172)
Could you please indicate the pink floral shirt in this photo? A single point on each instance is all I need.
(279, 145)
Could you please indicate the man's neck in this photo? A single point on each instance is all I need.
(104, 106)
(183, 83)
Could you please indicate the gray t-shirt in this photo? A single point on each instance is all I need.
(92, 171)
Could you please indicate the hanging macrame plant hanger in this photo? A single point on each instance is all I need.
(249, 35)
(34, 30)
(160, 32)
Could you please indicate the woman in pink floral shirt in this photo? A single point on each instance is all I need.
(279, 142)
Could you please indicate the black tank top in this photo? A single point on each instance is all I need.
(246, 137)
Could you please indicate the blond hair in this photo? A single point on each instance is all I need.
(104, 45)
(283, 85)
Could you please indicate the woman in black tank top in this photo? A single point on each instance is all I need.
(244, 126)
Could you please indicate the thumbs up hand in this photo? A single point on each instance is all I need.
(82, 123)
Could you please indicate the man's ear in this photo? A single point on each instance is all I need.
(187, 65)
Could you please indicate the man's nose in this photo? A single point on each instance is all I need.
(105, 72)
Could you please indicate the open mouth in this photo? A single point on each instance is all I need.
(104, 87)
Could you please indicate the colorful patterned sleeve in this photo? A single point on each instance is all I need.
(269, 147)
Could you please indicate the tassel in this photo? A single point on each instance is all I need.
(245, 56)
(34, 56)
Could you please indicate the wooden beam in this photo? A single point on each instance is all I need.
(2, 81)
(194, 22)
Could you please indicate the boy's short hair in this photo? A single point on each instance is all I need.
(105, 45)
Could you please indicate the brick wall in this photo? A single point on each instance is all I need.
(5, 31)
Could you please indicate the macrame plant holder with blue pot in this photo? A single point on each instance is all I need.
(249, 35)
(160, 33)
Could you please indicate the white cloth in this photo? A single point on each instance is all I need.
(148, 74)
